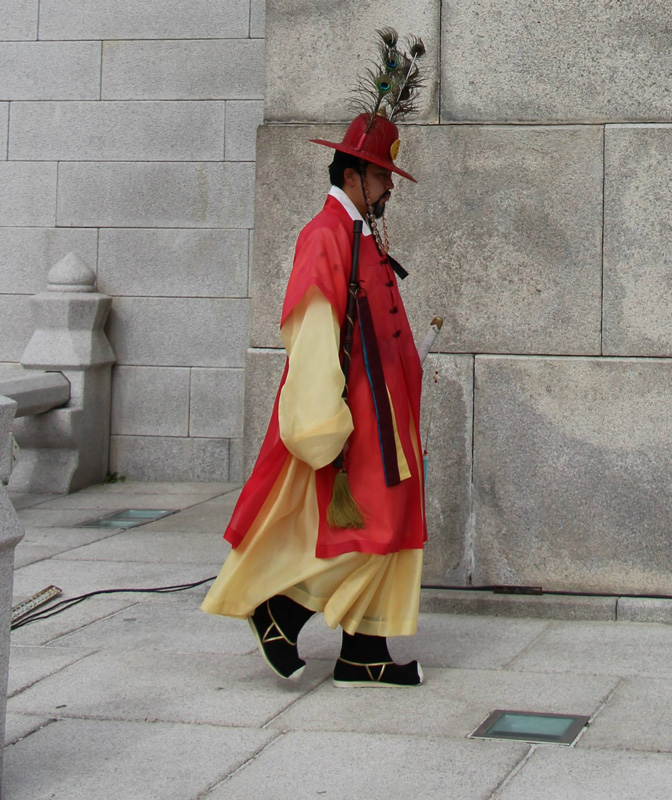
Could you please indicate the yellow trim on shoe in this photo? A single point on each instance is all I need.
(375, 682)
(266, 638)
(294, 676)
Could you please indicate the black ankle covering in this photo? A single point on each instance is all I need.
(290, 616)
(364, 649)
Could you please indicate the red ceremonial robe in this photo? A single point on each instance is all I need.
(395, 515)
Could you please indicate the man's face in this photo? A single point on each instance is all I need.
(379, 185)
(378, 182)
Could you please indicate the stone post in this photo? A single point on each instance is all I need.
(67, 449)
(11, 533)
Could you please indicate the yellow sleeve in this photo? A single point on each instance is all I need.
(315, 422)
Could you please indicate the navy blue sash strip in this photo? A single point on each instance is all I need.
(381, 400)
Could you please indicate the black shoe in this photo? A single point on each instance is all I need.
(387, 674)
(279, 652)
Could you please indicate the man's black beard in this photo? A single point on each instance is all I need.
(378, 208)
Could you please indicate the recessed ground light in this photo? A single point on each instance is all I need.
(128, 518)
(531, 726)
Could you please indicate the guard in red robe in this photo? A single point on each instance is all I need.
(287, 562)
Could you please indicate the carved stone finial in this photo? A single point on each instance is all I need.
(71, 275)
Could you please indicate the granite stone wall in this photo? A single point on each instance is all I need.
(539, 229)
(127, 134)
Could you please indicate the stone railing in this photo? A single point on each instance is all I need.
(34, 392)
(67, 448)
(11, 533)
(62, 396)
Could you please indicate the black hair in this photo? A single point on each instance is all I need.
(341, 162)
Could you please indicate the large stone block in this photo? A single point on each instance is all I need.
(27, 255)
(314, 54)
(4, 130)
(216, 403)
(28, 195)
(502, 234)
(50, 71)
(161, 458)
(198, 70)
(19, 20)
(503, 237)
(117, 131)
(263, 372)
(162, 195)
(257, 19)
(16, 328)
(446, 431)
(150, 401)
(236, 460)
(572, 467)
(563, 61)
(282, 208)
(637, 240)
(175, 760)
(242, 120)
(176, 332)
(173, 263)
(144, 19)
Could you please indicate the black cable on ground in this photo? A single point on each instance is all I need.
(63, 605)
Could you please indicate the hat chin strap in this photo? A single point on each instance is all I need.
(382, 243)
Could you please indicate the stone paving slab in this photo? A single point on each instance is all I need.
(104, 503)
(172, 625)
(150, 661)
(139, 544)
(82, 760)
(129, 487)
(72, 619)
(457, 641)
(31, 553)
(349, 766)
(209, 517)
(28, 665)
(81, 577)
(39, 517)
(637, 717)
(467, 642)
(600, 648)
(22, 500)
(67, 538)
(570, 774)
(169, 687)
(451, 703)
(18, 726)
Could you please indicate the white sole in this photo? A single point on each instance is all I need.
(293, 677)
(372, 685)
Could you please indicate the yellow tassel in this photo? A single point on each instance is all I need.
(343, 511)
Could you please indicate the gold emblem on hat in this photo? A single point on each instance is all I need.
(394, 150)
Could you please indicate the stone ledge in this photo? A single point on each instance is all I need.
(598, 608)
(644, 609)
(546, 606)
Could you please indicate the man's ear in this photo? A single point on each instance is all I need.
(351, 177)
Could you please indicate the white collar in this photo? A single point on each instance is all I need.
(350, 207)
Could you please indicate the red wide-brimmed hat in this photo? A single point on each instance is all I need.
(379, 145)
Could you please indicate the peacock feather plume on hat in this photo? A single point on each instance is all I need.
(389, 87)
